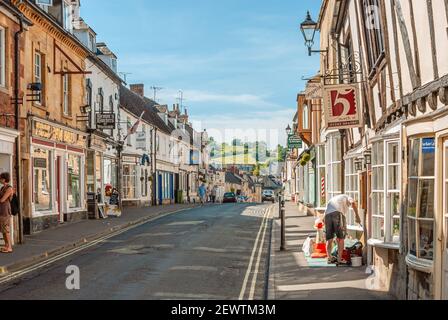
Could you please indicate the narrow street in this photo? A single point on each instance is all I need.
(213, 252)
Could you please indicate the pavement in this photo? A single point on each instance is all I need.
(214, 252)
(49, 243)
(293, 277)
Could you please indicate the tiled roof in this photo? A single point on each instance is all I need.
(231, 178)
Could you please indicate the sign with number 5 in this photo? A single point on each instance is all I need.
(342, 108)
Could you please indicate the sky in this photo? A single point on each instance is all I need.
(239, 63)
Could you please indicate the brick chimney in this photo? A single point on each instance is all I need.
(138, 89)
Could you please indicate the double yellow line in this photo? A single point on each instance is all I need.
(255, 264)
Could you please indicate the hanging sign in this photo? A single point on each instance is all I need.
(313, 91)
(295, 142)
(342, 109)
(105, 121)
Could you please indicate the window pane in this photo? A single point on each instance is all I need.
(396, 230)
(336, 183)
(378, 178)
(74, 181)
(378, 204)
(426, 191)
(42, 180)
(393, 182)
(394, 204)
(393, 153)
(412, 237)
(414, 158)
(336, 149)
(378, 228)
(428, 161)
(426, 231)
(378, 156)
(412, 202)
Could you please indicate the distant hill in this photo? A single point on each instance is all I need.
(241, 155)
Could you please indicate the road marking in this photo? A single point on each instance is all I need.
(188, 296)
(257, 265)
(83, 247)
(214, 250)
(249, 269)
(194, 268)
(186, 223)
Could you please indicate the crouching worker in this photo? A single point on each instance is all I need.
(336, 225)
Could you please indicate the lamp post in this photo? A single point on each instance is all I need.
(282, 203)
(309, 28)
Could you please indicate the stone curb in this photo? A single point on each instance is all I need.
(29, 262)
(272, 272)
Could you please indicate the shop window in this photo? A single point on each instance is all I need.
(110, 172)
(386, 189)
(322, 189)
(334, 168)
(421, 198)
(42, 183)
(74, 181)
(129, 181)
(352, 188)
(143, 182)
(98, 173)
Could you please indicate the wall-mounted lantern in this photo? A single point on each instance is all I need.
(309, 28)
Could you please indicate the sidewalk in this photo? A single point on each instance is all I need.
(39, 247)
(293, 278)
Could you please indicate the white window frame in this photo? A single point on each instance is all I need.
(306, 117)
(417, 219)
(332, 163)
(2, 57)
(352, 190)
(66, 94)
(38, 71)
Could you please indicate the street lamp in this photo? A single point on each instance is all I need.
(288, 130)
(308, 28)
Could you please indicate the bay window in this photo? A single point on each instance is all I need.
(322, 182)
(352, 188)
(334, 167)
(421, 198)
(386, 191)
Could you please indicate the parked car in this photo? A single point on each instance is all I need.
(242, 199)
(268, 195)
(230, 197)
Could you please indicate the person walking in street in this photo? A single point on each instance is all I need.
(336, 224)
(6, 194)
(203, 193)
(214, 194)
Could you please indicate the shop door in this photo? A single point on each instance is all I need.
(445, 223)
(160, 187)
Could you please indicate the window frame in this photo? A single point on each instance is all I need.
(38, 78)
(66, 103)
(386, 193)
(332, 163)
(416, 220)
(352, 190)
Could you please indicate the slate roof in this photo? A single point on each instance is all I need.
(231, 178)
(136, 104)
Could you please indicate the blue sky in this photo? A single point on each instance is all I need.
(238, 62)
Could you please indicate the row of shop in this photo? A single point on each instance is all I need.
(375, 128)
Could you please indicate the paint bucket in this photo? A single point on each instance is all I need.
(356, 262)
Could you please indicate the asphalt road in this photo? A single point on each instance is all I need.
(213, 252)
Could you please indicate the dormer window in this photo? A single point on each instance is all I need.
(114, 65)
(44, 4)
(92, 42)
(67, 16)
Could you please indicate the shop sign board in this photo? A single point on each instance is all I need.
(57, 134)
(429, 146)
(342, 109)
(141, 140)
(40, 163)
(129, 159)
(105, 121)
(313, 91)
(295, 142)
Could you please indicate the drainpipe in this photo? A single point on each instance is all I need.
(17, 119)
(155, 181)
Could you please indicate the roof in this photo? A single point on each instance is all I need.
(268, 183)
(231, 178)
(136, 104)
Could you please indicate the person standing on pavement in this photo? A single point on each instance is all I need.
(6, 194)
(336, 224)
(203, 193)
